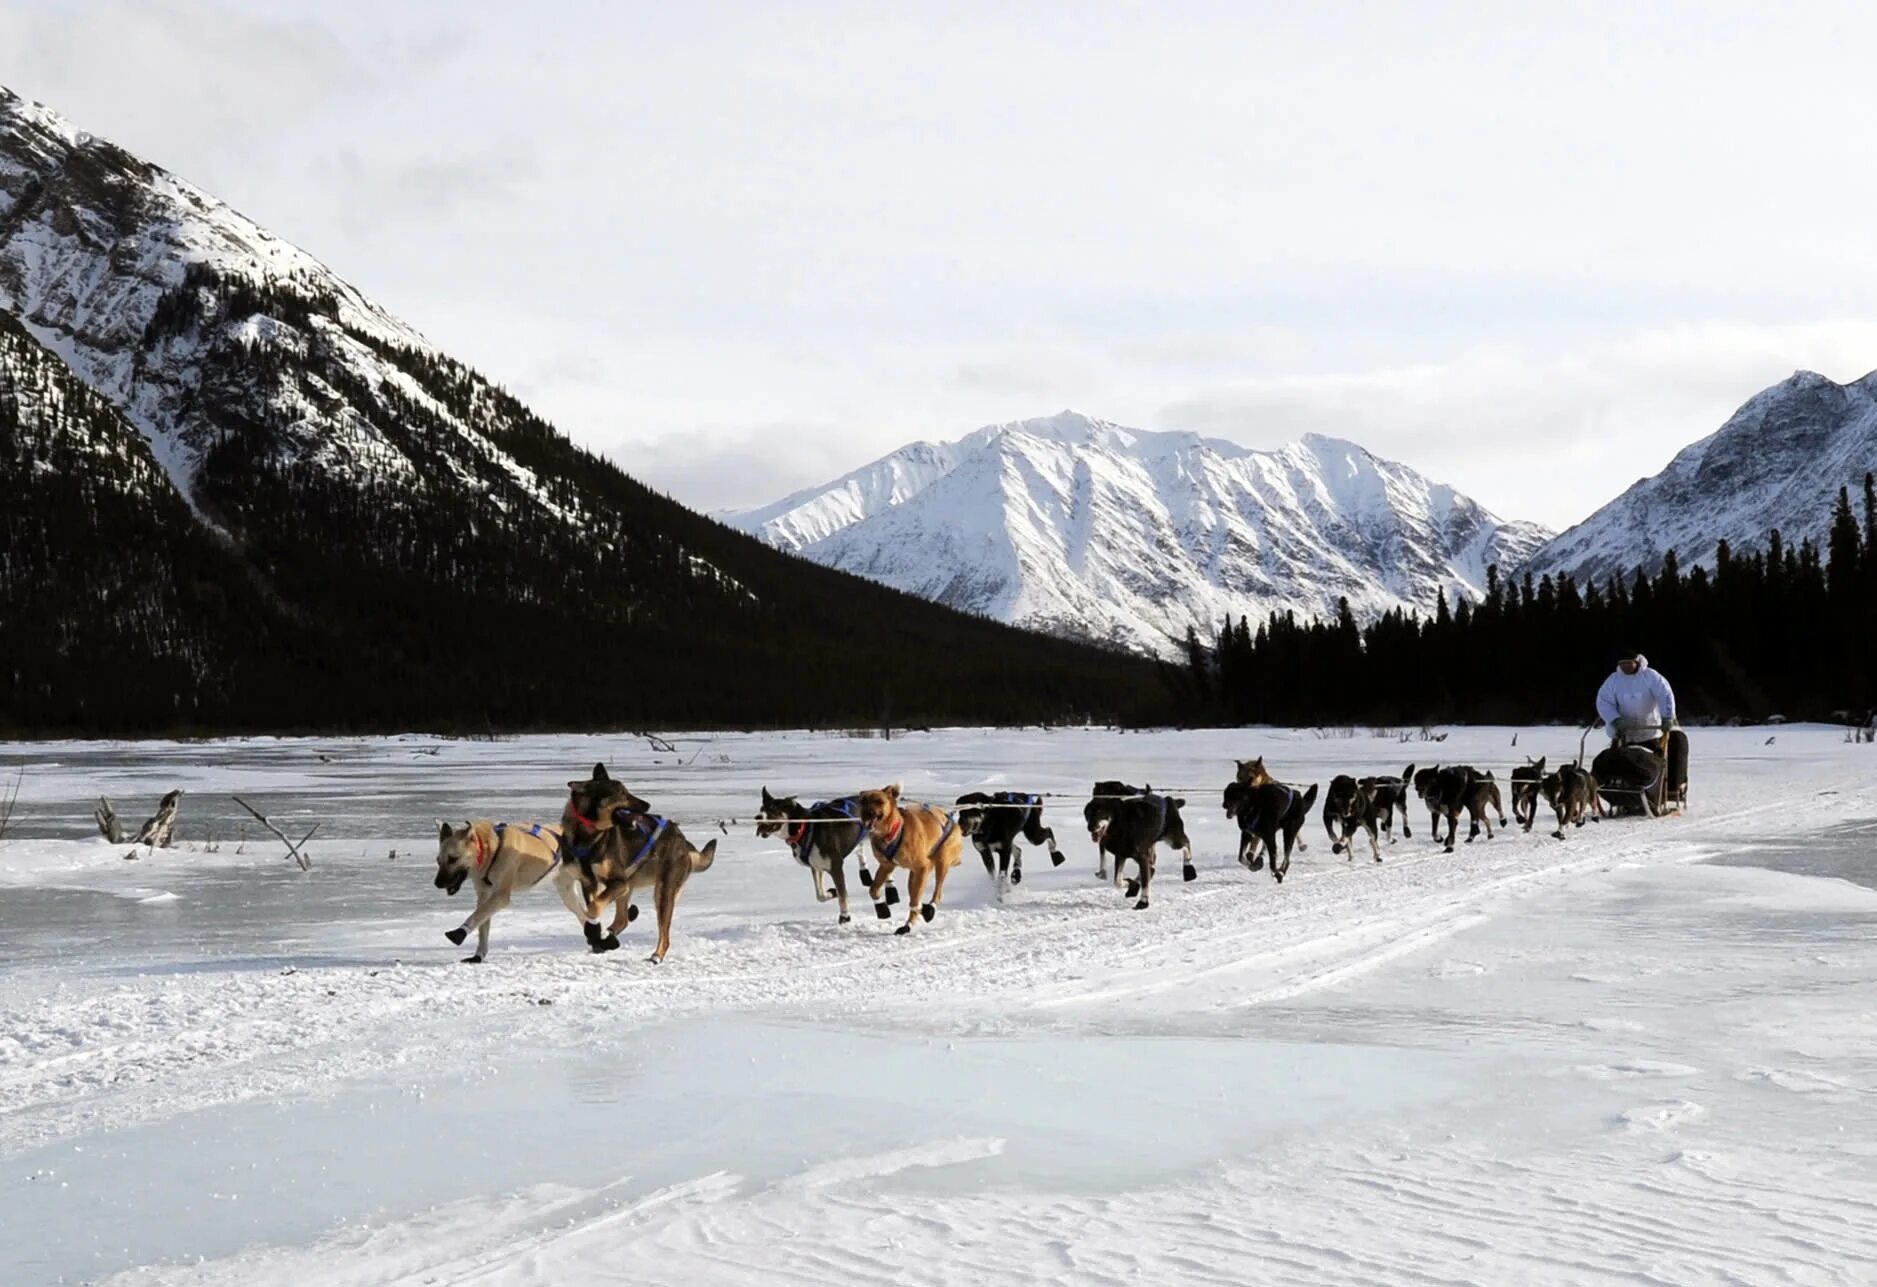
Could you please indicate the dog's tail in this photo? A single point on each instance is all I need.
(1310, 796)
(702, 859)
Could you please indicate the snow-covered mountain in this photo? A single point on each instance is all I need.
(1777, 463)
(1083, 527)
(379, 535)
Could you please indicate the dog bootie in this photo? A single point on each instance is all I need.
(882, 910)
(1189, 872)
(892, 894)
(928, 911)
(456, 936)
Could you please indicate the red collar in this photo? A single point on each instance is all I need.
(899, 825)
(482, 851)
(798, 833)
(591, 824)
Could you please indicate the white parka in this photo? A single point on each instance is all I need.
(1641, 700)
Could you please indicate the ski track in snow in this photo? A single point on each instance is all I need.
(1376, 1203)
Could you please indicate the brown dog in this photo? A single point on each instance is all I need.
(1252, 772)
(630, 848)
(922, 839)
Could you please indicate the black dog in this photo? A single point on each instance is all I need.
(1572, 794)
(1369, 803)
(820, 836)
(993, 822)
(1461, 786)
(1128, 824)
(1527, 781)
(1261, 812)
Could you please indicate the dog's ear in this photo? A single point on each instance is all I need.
(767, 798)
(443, 829)
(575, 784)
(1407, 774)
(1541, 766)
(599, 772)
(892, 792)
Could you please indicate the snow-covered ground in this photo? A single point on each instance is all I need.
(1645, 1054)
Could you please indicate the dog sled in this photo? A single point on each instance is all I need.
(1643, 773)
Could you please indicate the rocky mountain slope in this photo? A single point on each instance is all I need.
(441, 554)
(1777, 463)
(1086, 528)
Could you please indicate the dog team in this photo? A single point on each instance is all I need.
(610, 845)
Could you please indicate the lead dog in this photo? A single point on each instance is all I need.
(922, 839)
(502, 859)
(994, 821)
(632, 849)
(1263, 811)
(1128, 823)
(821, 836)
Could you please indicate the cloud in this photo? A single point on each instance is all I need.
(1537, 434)
(175, 78)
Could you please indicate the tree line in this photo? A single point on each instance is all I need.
(1774, 630)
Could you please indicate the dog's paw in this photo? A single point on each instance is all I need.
(472, 960)
(846, 919)
(928, 912)
(592, 930)
(882, 911)
(1337, 847)
(632, 913)
(1133, 889)
(1141, 906)
(1189, 872)
(610, 943)
(904, 929)
(655, 959)
(892, 894)
(1277, 875)
(1055, 858)
(1016, 875)
(456, 936)
(866, 877)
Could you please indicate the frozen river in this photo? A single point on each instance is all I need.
(1646, 1054)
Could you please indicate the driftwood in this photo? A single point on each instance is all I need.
(159, 828)
(306, 863)
(157, 832)
(108, 826)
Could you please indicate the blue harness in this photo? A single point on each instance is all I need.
(1016, 797)
(621, 817)
(890, 852)
(848, 807)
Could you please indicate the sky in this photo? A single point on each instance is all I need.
(744, 248)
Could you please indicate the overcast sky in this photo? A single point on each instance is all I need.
(746, 247)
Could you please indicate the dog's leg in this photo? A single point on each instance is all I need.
(665, 896)
(882, 874)
(938, 886)
(915, 890)
(1375, 844)
(461, 932)
(1037, 834)
(984, 852)
(1188, 872)
(479, 921)
(1146, 864)
(1016, 863)
(840, 888)
(1278, 866)
(821, 882)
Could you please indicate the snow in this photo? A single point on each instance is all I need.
(1080, 526)
(1642, 1054)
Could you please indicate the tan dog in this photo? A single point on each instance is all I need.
(1251, 772)
(629, 849)
(918, 837)
(502, 858)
